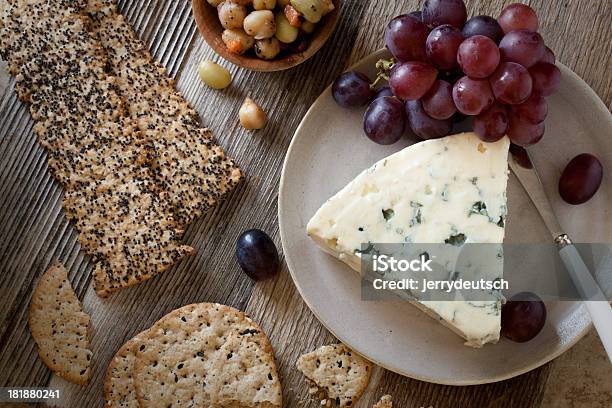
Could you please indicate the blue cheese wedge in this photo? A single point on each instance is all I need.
(450, 190)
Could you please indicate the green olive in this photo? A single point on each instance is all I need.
(285, 32)
(214, 75)
(264, 4)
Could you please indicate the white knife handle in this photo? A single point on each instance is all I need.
(595, 301)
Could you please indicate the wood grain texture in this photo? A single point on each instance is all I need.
(34, 231)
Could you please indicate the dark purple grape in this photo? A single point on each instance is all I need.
(533, 110)
(385, 120)
(523, 47)
(518, 17)
(417, 15)
(383, 91)
(523, 317)
(438, 12)
(511, 83)
(442, 45)
(438, 101)
(546, 78)
(478, 56)
(492, 124)
(257, 255)
(548, 56)
(424, 126)
(405, 37)
(411, 80)
(524, 133)
(520, 156)
(580, 179)
(483, 25)
(472, 96)
(352, 89)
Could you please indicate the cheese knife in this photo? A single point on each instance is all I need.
(594, 299)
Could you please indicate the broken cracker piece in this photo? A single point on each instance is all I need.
(385, 402)
(338, 372)
(59, 326)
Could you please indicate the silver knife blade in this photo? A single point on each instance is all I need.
(530, 180)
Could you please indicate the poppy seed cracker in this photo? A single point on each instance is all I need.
(59, 326)
(206, 355)
(341, 374)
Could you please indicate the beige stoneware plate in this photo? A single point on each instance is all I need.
(329, 149)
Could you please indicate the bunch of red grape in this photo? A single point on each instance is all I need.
(497, 71)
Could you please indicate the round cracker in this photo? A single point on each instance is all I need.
(206, 354)
(59, 326)
(119, 384)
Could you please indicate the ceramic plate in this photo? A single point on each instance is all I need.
(329, 149)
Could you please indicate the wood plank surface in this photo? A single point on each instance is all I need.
(34, 232)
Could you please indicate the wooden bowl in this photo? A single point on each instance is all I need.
(211, 29)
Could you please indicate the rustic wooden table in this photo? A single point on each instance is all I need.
(34, 231)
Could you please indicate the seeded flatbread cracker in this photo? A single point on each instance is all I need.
(339, 373)
(119, 389)
(206, 355)
(59, 326)
(385, 402)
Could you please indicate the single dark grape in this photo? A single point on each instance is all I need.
(523, 47)
(523, 317)
(580, 179)
(511, 83)
(352, 89)
(257, 255)
(533, 110)
(438, 12)
(385, 120)
(483, 25)
(442, 45)
(546, 78)
(411, 80)
(438, 101)
(478, 56)
(518, 17)
(492, 124)
(524, 133)
(383, 91)
(405, 37)
(472, 96)
(423, 125)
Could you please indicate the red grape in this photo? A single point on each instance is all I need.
(438, 101)
(524, 133)
(352, 89)
(442, 45)
(546, 78)
(548, 56)
(472, 96)
(523, 47)
(438, 12)
(385, 120)
(411, 80)
(511, 83)
(405, 37)
(478, 56)
(533, 110)
(518, 17)
(523, 317)
(520, 156)
(424, 126)
(492, 124)
(483, 25)
(580, 179)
